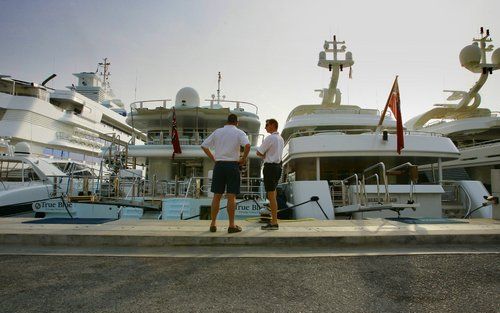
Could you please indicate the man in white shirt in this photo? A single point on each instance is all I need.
(226, 175)
(271, 151)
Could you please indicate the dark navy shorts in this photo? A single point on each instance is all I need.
(226, 178)
(272, 174)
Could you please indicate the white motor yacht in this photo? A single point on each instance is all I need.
(340, 161)
(182, 181)
(74, 124)
(474, 130)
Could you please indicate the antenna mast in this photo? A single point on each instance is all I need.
(105, 73)
(218, 88)
(332, 95)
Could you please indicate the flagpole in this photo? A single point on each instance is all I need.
(386, 105)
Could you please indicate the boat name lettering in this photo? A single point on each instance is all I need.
(50, 205)
(252, 207)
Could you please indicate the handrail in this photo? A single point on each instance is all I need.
(480, 144)
(212, 101)
(468, 198)
(166, 189)
(407, 164)
(378, 186)
(4, 187)
(356, 181)
(379, 165)
(356, 131)
(185, 197)
(141, 103)
(413, 180)
(134, 105)
(453, 183)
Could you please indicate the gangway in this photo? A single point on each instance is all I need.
(356, 198)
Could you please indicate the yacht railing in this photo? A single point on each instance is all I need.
(434, 122)
(411, 170)
(167, 103)
(356, 131)
(381, 168)
(238, 105)
(191, 138)
(481, 144)
(306, 110)
(194, 187)
(453, 197)
(345, 183)
(150, 104)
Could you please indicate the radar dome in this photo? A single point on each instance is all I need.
(22, 148)
(470, 56)
(495, 57)
(187, 97)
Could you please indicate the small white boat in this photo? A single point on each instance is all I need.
(25, 179)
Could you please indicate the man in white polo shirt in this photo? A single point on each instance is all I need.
(226, 175)
(271, 150)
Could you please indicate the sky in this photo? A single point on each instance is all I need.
(266, 50)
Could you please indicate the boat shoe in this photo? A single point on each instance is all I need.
(235, 229)
(270, 227)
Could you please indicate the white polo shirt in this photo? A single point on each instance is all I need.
(226, 141)
(272, 148)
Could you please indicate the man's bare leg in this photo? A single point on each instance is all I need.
(231, 206)
(271, 196)
(215, 208)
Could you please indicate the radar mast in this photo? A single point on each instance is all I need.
(332, 95)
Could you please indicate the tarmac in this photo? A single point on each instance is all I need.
(294, 238)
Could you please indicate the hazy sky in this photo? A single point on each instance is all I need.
(266, 50)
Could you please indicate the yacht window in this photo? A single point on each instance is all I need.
(16, 171)
(60, 165)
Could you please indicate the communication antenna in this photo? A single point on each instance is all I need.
(218, 88)
(105, 73)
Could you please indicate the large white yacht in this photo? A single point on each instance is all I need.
(341, 155)
(474, 130)
(77, 123)
(182, 181)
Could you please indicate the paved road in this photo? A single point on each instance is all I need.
(418, 283)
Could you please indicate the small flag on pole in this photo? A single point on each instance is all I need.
(175, 136)
(394, 103)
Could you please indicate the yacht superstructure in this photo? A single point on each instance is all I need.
(182, 180)
(342, 155)
(474, 130)
(71, 124)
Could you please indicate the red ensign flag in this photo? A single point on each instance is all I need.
(175, 136)
(394, 104)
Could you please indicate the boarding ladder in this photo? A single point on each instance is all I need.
(356, 199)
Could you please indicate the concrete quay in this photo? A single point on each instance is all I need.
(373, 233)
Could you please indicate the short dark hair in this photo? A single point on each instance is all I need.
(272, 121)
(232, 118)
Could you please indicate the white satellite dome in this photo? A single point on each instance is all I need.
(470, 56)
(22, 148)
(495, 57)
(187, 97)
